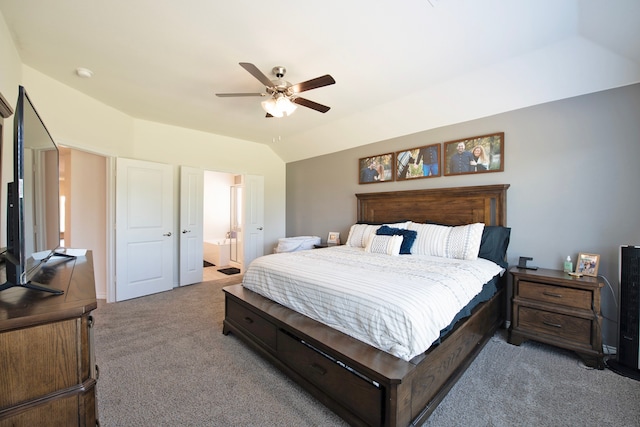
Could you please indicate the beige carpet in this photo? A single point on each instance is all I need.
(164, 362)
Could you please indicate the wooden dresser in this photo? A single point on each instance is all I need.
(47, 369)
(553, 307)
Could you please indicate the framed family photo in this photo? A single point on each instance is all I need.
(478, 154)
(376, 168)
(588, 264)
(420, 162)
(333, 238)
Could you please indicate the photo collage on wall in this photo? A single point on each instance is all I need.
(478, 154)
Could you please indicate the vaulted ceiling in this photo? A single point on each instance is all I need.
(400, 67)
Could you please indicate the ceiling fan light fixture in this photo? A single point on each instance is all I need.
(270, 107)
(279, 105)
(286, 106)
(284, 98)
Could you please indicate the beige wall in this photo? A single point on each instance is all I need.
(77, 119)
(10, 73)
(87, 210)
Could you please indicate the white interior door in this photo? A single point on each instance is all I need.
(144, 224)
(191, 225)
(253, 218)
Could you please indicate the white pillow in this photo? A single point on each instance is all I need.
(359, 233)
(461, 242)
(384, 244)
(431, 239)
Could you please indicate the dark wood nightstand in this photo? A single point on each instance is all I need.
(553, 307)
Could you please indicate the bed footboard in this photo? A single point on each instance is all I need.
(363, 385)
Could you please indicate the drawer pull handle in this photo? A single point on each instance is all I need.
(554, 325)
(248, 320)
(549, 294)
(319, 369)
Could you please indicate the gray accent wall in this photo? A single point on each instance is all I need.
(573, 166)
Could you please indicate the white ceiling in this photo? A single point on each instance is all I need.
(400, 67)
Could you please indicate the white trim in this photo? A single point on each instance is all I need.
(86, 149)
(110, 230)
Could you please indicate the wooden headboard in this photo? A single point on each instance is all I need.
(450, 206)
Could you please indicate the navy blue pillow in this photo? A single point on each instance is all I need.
(495, 241)
(408, 237)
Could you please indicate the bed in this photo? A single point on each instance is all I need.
(364, 384)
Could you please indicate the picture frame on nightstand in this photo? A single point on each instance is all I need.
(587, 264)
(333, 238)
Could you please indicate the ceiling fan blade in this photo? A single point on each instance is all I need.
(321, 81)
(228, 95)
(253, 70)
(310, 104)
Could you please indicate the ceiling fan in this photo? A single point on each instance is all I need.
(283, 96)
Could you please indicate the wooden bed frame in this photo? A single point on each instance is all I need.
(362, 384)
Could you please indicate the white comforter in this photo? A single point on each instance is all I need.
(397, 304)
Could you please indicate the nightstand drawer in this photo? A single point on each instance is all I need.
(569, 297)
(569, 328)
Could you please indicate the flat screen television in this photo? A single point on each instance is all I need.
(33, 202)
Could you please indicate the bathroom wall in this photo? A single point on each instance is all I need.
(217, 204)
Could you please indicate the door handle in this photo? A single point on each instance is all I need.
(186, 231)
(167, 234)
(260, 228)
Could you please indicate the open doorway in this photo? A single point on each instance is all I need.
(83, 208)
(222, 225)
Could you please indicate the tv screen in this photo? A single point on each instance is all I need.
(33, 204)
(40, 186)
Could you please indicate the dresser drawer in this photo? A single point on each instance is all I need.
(568, 297)
(252, 323)
(568, 328)
(26, 380)
(62, 411)
(359, 395)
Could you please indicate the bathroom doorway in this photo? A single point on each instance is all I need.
(84, 206)
(222, 225)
